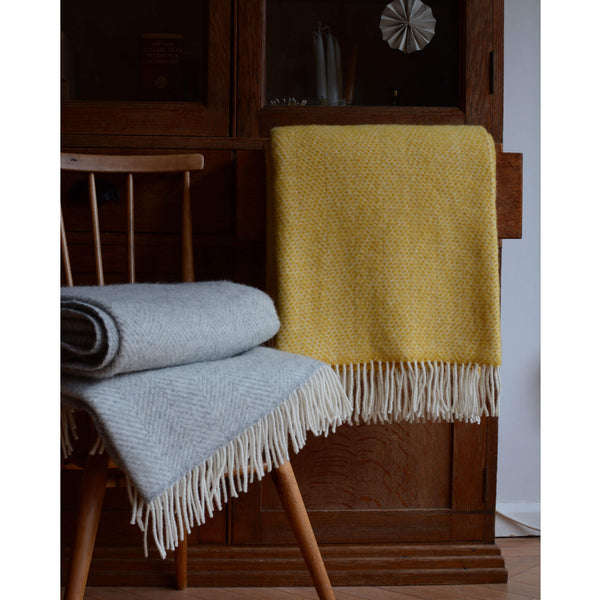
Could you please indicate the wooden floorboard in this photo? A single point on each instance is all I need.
(522, 557)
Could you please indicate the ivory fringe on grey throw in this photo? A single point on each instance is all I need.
(319, 405)
(383, 392)
(68, 430)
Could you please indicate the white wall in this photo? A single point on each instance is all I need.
(518, 491)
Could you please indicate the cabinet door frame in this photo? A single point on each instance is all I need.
(481, 76)
(208, 118)
(469, 516)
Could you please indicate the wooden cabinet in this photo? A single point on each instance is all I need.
(401, 503)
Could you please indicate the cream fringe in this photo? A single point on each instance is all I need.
(319, 405)
(383, 392)
(68, 430)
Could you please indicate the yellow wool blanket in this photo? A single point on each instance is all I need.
(384, 264)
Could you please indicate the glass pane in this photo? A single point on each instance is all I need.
(383, 75)
(133, 50)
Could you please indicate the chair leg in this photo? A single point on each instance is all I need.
(291, 499)
(181, 564)
(88, 516)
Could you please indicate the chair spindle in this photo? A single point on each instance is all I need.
(187, 250)
(65, 253)
(130, 229)
(96, 229)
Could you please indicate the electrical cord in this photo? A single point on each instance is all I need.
(518, 522)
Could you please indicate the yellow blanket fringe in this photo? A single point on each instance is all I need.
(384, 261)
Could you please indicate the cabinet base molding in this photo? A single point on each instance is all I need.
(347, 565)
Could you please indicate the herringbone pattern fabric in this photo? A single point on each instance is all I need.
(182, 396)
(385, 243)
(160, 424)
(107, 330)
(189, 436)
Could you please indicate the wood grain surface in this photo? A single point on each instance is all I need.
(522, 556)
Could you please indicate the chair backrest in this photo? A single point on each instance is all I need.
(131, 165)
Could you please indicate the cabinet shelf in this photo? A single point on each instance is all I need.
(143, 118)
(271, 116)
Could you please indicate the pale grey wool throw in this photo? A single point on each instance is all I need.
(189, 436)
(107, 330)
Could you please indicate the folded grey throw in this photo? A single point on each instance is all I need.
(186, 434)
(123, 328)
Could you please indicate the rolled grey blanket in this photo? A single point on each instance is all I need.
(189, 436)
(124, 328)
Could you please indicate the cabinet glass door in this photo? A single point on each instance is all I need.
(450, 73)
(367, 69)
(145, 67)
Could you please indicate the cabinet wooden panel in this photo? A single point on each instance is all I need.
(372, 476)
(393, 483)
(378, 467)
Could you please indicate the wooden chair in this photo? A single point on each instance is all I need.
(97, 467)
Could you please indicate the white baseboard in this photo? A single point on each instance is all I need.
(515, 517)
